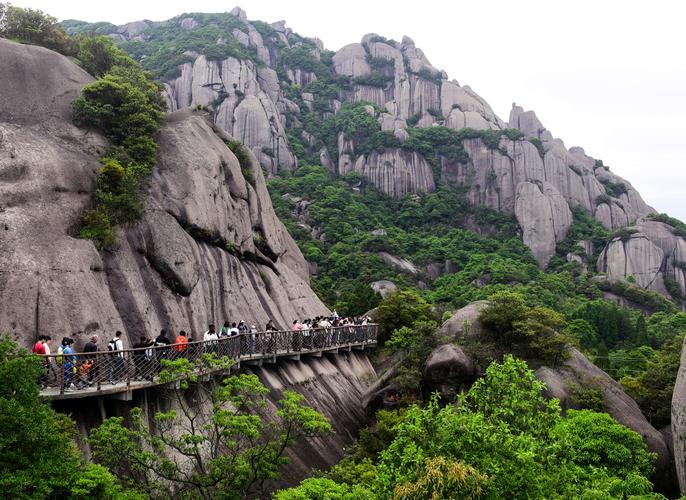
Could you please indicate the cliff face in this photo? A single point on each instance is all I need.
(264, 97)
(159, 276)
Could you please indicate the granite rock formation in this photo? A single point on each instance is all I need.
(247, 100)
(162, 273)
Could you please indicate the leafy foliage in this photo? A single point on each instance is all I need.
(532, 332)
(34, 27)
(402, 308)
(38, 456)
(168, 45)
(504, 439)
(228, 450)
(126, 105)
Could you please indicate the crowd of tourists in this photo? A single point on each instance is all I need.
(93, 364)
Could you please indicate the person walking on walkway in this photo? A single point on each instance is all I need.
(116, 348)
(90, 349)
(181, 343)
(69, 363)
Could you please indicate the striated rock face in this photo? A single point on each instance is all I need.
(393, 171)
(258, 98)
(544, 216)
(246, 99)
(651, 253)
(332, 384)
(158, 276)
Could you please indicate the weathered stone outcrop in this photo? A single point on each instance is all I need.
(578, 372)
(246, 100)
(650, 252)
(163, 272)
(447, 369)
(544, 217)
(393, 171)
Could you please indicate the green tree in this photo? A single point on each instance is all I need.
(591, 439)
(416, 343)
(126, 105)
(401, 308)
(226, 451)
(34, 27)
(38, 455)
(324, 489)
(98, 55)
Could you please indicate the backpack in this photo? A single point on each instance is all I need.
(112, 346)
(60, 356)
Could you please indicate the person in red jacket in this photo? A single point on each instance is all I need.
(181, 342)
(39, 347)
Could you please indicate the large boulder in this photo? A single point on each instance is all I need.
(447, 369)
(576, 373)
(465, 324)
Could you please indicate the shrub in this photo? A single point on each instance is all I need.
(603, 198)
(401, 308)
(243, 160)
(532, 332)
(373, 80)
(96, 226)
(267, 281)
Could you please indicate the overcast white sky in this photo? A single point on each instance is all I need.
(609, 76)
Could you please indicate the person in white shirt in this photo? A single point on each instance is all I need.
(210, 334)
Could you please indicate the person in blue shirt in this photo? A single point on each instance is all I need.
(69, 363)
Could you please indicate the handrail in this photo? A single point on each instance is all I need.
(96, 371)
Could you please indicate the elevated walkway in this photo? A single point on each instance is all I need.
(119, 374)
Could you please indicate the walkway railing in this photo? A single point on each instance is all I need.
(90, 374)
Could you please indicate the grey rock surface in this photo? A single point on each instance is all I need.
(448, 362)
(650, 253)
(158, 276)
(679, 422)
(544, 217)
(579, 371)
(384, 287)
(464, 323)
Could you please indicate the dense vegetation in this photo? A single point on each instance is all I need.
(35, 27)
(38, 455)
(503, 439)
(353, 222)
(230, 451)
(126, 105)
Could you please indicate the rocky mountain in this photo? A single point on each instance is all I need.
(168, 271)
(210, 246)
(276, 91)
